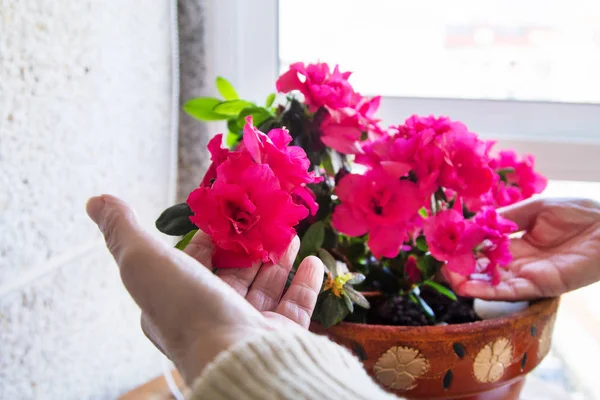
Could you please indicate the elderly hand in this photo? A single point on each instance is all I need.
(190, 313)
(558, 252)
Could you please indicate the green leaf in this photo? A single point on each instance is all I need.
(355, 250)
(202, 108)
(332, 310)
(233, 126)
(348, 302)
(327, 164)
(427, 265)
(175, 220)
(231, 107)
(269, 123)
(226, 89)
(423, 212)
(417, 299)
(311, 242)
(232, 140)
(337, 161)
(503, 172)
(356, 279)
(259, 115)
(357, 297)
(270, 100)
(328, 261)
(185, 240)
(441, 289)
(422, 244)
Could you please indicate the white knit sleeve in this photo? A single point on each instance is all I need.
(286, 365)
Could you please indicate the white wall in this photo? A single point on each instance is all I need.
(85, 108)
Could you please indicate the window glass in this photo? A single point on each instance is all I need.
(543, 50)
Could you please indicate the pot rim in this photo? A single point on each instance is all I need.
(536, 307)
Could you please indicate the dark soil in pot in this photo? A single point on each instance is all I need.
(403, 311)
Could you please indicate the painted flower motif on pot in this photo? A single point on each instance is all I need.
(492, 360)
(546, 339)
(400, 367)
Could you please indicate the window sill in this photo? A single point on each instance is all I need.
(156, 389)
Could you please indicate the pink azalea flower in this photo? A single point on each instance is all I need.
(505, 195)
(477, 247)
(524, 175)
(427, 159)
(497, 253)
(501, 195)
(320, 86)
(289, 163)
(493, 224)
(413, 273)
(465, 169)
(368, 107)
(416, 124)
(438, 151)
(398, 154)
(494, 251)
(519, 182)
(452, 238)
(374, 152)
(307, 198)
(250, 217)
(217, 155)
(378, 204)
(528, 180)
(414, 227)
(342, 131)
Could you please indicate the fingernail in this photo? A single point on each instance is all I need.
(94, 207)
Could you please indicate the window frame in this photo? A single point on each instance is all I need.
(242, 45)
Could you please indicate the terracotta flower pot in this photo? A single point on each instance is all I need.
(483, 360)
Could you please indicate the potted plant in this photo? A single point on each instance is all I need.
(389, 211)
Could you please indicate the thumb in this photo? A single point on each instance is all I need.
(163, 281)
(116, 221)
(193, 312)
(166, 283)
(143, 261)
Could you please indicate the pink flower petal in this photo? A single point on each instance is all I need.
(288, 81)
(346, 222)
(347, 187)
(395, 168)
(252, 140)
(342, 145)
(463, 264)
(280, 137)
(386, 242)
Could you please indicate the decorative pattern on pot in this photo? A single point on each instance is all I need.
(492, 360)
(400, 367)
(545, 339)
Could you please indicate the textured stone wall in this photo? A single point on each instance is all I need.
(193, 135)
(85, 107)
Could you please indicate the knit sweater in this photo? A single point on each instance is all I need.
(286, 365)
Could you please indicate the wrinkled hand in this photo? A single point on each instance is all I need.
(558, 252)
(189, 313)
